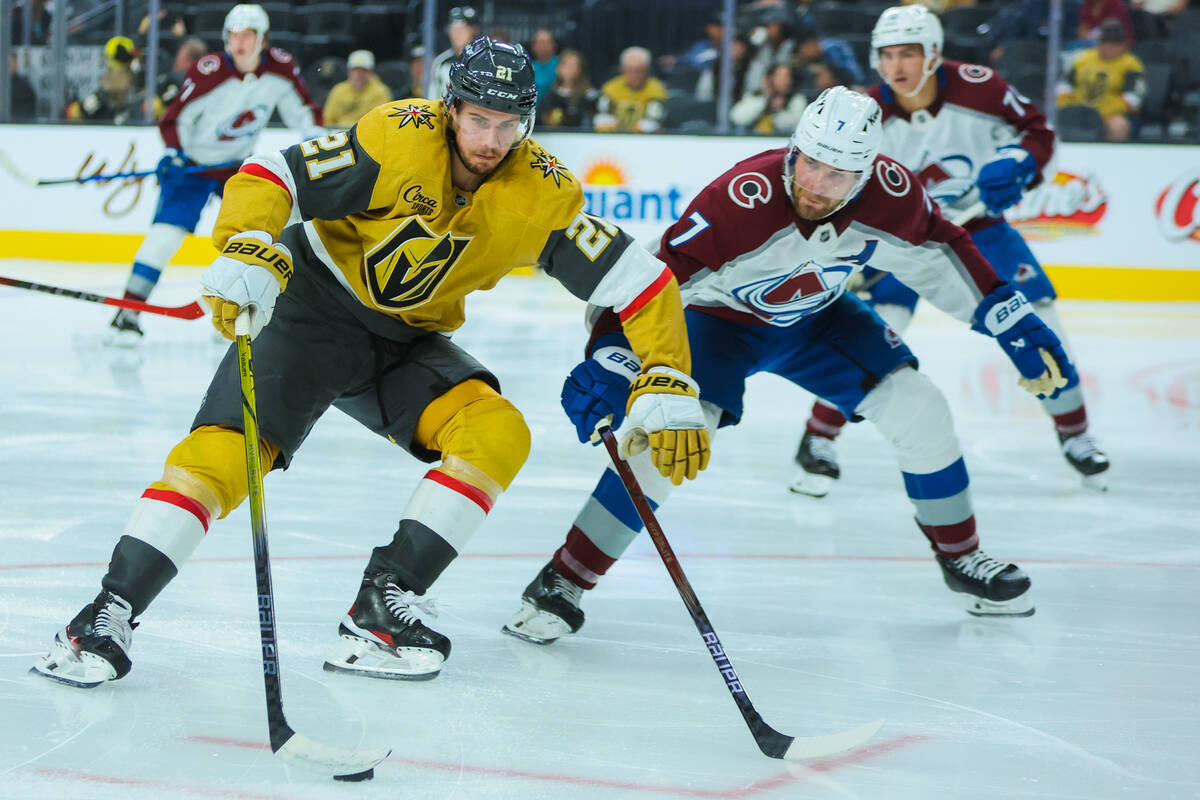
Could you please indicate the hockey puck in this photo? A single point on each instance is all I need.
(365, 775)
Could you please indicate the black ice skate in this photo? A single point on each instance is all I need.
(818, 466)
(549, 608)
(124, 330)
(1088, 459)
(993, 588)
(382, 635)
(94, 648)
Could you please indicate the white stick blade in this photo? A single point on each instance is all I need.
(808, 747)
(10, 166)
(300, 749)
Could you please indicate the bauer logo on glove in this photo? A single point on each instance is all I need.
(266, 255)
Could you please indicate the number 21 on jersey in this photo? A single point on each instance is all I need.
(320, 167)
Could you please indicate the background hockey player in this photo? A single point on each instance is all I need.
(225, 102)
(419, 204)
(764, 273)
(969, 136)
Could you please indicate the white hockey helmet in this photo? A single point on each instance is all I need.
(913, 24)
(246, 16)
(842, 129)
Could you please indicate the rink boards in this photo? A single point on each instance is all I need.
(1114, 221)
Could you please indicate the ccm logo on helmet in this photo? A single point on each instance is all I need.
(749, 189)
(500, 94)
(893, 179)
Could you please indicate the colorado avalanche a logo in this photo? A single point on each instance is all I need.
(784, 300)
(247, 123)
(749, 189)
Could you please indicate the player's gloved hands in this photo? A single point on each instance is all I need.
(665, 415)
(1002, 180)
(172, 167)
(250, 273)
(1035, 349)
(598, 387)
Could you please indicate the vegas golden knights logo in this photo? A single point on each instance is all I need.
(405, 270)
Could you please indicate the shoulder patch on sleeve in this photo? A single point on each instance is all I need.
(281, 55)
(412, 113)
(549, 167)
(893, 178)
(208, 64)
(975, 73)
(750, 189)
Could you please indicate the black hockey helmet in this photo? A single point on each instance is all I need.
(495, 75)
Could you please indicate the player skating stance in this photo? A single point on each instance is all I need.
(968, 136)
(419, 204)
(763, 265)
(216, 118)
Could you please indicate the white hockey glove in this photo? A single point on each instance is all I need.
(664, 414)
(250, 273)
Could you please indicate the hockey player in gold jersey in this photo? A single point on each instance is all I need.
(353, 254)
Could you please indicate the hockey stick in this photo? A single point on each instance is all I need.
(12, 168)
(346, 765)
(770, 741)
(191, 311)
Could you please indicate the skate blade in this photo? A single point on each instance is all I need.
(355, 656)
(1097, 482)
(810, 484)
(123, 340)
(83, 671)
(1017, 607)
(536, 627)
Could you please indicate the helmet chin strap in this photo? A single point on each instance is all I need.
(931, 65)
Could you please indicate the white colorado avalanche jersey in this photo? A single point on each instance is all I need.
(975, 112)
(742, 253)
(219, 113)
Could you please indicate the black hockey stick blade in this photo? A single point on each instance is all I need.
(770, 741)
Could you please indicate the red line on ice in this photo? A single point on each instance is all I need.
(802, 772)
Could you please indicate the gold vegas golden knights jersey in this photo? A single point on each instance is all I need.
(381, 213)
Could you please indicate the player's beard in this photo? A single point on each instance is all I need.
(812, 207)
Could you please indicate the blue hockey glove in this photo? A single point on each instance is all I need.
(172, 167)
(599, 386)
(1036, 351)
(1002, 180)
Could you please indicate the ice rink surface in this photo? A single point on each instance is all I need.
(832, 611)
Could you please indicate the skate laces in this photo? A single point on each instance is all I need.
(566, 588)
(821, 449)
(112, 620)
(1081, 447)
(979, 565)
(405, 604)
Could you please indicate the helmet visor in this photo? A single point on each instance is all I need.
(823, 180)
(490, 129)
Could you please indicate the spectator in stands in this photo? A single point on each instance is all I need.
(1093, 13)
(774, 41)
(571, 100)
(116, 96)
(24, 98)
(702, 53)
(172, 28)
(708, 84)
(1027, 19)
(463, 29)
(359, 93)
(632, 101)
(938, 6)
(416, 73)
(828, 60)
(1162, 12)
(774, 108)
(191, 50)
(39, 24)
(543, 50)
(1108, 78)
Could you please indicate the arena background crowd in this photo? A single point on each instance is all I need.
(1126, 70)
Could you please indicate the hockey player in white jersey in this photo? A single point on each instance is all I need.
(216, 118)
(970, 137)
(763, 255)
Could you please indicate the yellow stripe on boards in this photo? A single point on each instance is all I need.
(1149, 284)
